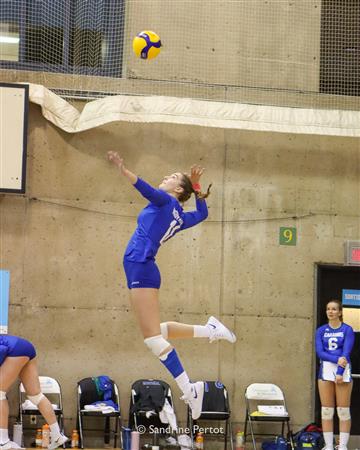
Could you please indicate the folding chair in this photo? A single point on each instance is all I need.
(87, 394)
(270, 407)
(147, 401)
(215, 407)
(49, 387)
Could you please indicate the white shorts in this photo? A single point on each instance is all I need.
(328, 371)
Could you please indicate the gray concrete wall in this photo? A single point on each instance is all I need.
(63, 244)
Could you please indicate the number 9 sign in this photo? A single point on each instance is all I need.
(287, 236)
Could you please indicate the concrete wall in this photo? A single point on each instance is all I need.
(63, 244)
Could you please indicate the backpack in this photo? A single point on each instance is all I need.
(279, 443)
(309, 438)
(150, 395)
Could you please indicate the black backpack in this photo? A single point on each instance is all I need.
(149, 395)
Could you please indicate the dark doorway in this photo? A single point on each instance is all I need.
(331, 280)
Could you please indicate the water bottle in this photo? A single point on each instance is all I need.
(75, 439)
(18, 434)
(135, 440)
(199, 441)
(38, 438)
(240, 440)
(45, 436)
(126, 432)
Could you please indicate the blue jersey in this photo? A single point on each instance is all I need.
(332, 343)
(160, 220)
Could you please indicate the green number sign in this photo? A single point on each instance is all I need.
(287, 236)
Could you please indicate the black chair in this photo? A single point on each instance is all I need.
(87, 394)
(215, 407)
(147, 399)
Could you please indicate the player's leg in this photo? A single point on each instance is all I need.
(9, 372)
(145, 304)
(343, 397)
(327, 399)
(213, 330)
(30, 378)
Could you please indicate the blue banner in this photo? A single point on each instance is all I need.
(351, 297)
(4, 300)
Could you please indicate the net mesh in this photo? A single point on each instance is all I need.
(270, 52)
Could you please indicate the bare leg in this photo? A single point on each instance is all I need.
(145, 304)
(213, 330)
(178, 330)
(9, 372)
(30, 379)
(327, 398)
(343, 396)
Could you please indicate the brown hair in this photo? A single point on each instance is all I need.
(338, 302)
(188, 189)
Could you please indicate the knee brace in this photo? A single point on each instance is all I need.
(36, 399)
(157, 344)
(2, 395)
(327, 413)
(164, 330)
(343, 413)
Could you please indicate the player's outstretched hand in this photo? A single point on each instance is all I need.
(115, 158)
(195, 174)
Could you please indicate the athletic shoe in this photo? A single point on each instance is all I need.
(219, 331)
(55, 443)
(195, 399)
(10, 444)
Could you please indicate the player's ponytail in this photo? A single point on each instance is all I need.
(202, 195)
(188, 189)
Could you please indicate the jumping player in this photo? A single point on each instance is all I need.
(17, 360)
(160, 220)
(334, 342)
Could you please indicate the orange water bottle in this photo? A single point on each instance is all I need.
(45, 436)
(38, 438)
(75, 439)
(199, 441)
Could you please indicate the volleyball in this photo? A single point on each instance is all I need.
(146, 45)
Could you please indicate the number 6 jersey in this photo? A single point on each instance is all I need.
(331, 344)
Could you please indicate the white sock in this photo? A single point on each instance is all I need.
(329, 439)
(184, 383)
(201, 331)
(4, 435)
(344, 439)
(55, 430)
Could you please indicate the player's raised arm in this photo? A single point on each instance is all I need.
(116, 159)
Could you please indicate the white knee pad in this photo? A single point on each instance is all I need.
(327, 413)
(157, 344)
(2, 395)
(36, 399)
(164, 330)
(343, 413)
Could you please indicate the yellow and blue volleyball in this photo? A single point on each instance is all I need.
(146, 45)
